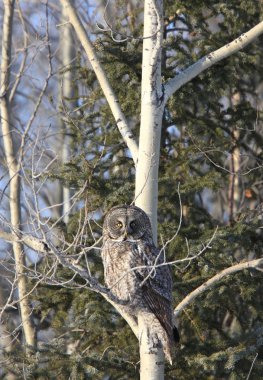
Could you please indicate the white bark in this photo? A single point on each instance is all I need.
(28, 240)
(213, 281)
(151, 358)
(234, 192)
(150, 369)
(13, 169)
(112, 100)
(146, 193)
(68, 53)
(210, 59)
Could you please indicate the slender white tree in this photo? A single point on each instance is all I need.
(67, 93)
(14, 177)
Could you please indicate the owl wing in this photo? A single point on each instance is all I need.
(157, 293)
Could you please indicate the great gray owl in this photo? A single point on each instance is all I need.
(133, 273)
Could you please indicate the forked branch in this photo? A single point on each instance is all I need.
(112, 100)
(213, 281)
(210, 59)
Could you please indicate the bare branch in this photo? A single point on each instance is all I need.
(113, 102)
(214, 281)
(28, 240)
(124, 37)
(23, 63)
(40, 97)
(231, 172)
(252, 365)
(210, 59)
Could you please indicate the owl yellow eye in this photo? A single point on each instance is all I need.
(119, 224)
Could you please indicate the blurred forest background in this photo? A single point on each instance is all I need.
(75, 167)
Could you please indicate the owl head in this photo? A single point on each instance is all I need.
(127, 223)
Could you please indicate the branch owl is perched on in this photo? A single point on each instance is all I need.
(128, 244)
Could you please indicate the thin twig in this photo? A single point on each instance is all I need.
(124, 37)
(252, 365)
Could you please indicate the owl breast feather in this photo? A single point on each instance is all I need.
(120, 263)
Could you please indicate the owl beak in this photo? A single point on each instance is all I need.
(127, 233)
(125, 236)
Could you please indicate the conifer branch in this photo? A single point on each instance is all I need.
(210, 59)
(213, 281)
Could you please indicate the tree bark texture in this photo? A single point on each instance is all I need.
(146, 193)
(68, 54)
(14, 182)
(152, 106)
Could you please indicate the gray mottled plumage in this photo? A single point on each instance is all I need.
(130, 258)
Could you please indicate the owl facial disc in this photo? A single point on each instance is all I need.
(125, 223)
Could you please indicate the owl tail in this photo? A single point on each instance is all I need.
(162, 338)
(168, 354)
(176, 335)
(169, 344)
(157, 335)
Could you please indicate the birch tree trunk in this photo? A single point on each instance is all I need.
(152, 107)
(234, 181)
(68, 53)
(14, 177)
(146, 193)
